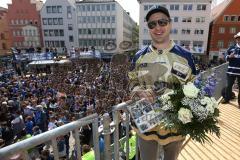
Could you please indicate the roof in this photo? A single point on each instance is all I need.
(217, 11)
(44, 62)
(3, 9)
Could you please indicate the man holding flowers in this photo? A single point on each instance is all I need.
(156, 69)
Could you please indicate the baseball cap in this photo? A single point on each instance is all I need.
(157, 9)
(237, 35)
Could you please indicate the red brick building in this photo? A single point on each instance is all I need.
(225, 24)
(4, 34)
(24, 23)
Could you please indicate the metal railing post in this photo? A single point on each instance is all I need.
(55, 149)
(77, 143)
(116, 135)
(127, 135)
(96, 139)
(106, 133)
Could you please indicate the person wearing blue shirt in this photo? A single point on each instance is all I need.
(233, 72)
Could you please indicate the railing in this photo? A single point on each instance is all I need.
(23, 146)
(221, 78)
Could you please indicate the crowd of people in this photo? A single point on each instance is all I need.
(34, 103)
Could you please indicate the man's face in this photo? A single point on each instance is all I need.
(159, 27)
(238, 40)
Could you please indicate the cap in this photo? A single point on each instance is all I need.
(237, 35)
(157, 9)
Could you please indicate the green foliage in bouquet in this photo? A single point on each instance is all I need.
(191, 109)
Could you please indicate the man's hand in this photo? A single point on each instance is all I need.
(147, 94)
(231, 55)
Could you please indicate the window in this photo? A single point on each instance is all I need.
(59, 9)
(70, 38)
(221, 30)
(200, 19)
(50, 21)
(103, 19)
(187, 19)
(55, 21)
(145, 31)
(233, 18)
(51, 32)
(103, 7)
(62, 43)
(238, 18)
(60, 21)
(61, 32)
(93, 7)
(108, 31)
(175, 19)
(113, 30)
(88, 8)
(45, 32)
(98, 7)
(69, 12)
(198, 31)
(56, 32)
(187, 7)
(54, 9)
(113, 7)
(232, 30)
(108, 7)
(70, 27)
(174, 7)
(44, 21)
(197, 43)
(174, 31)
(108, 19)
(49, 9)
(186, 31)
(220, 44)
(226, 18)
(201, 7)
(113, 19)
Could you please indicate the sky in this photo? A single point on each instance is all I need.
(130, 6)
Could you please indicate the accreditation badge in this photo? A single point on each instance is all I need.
(180, 70)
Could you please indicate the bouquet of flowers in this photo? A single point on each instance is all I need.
(191, 109)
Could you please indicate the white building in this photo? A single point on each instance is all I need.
(190, 22)
(102, 21)
(59, 24)
(31, 36)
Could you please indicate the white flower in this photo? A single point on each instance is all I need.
(215, 104)
(190, 90)
(206, 101)
(210, 109)
(185, 115)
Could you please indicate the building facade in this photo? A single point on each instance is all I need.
(224, 25)
(190, 23)
(24, 21)
(4, 33)
(59, 25)
(103, 22)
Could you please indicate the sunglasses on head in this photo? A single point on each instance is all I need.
(160, 22)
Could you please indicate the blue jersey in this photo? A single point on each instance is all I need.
(234, 63)
(152, 68)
